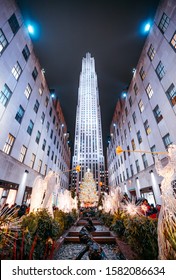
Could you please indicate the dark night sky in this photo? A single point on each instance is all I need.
(109, 30)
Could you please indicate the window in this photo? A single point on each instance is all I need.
(136, 90)
(45, 169)
(124, 155)
(130, 101)
(31, 165)
(28, 91)
(164, 23)
(36, 106)
(127, 173)
(30, 127)
(39, 165)
(44, 145)
(129, 126)
(13, 22)
(41, 89)
(137, 165)
(134, 117)
(142, 73)
(171, 94)
(157, 114)
(3, 41)
(51, 134)
(46, 101)
(26, 52)
(132, 172)
(149, 91)
(166, 140)
(37, 139)
(16, 71)
(19, 114)
(9, 144)
(54, 139)
(139, 137)
(160, 71)
(42, 117)
(153, 149)
(126, 111)
(151, 52)
(125, 133)
(34, 73)
(128, 149)
(48, 151)
(144, 159)
(50, 112)
(147, 127)
(133, 144)
(55, 160)
(141, 106)
(172, 42)
(5, 95)
(52, 155)
(22, 153)
(47, 126)
(54, 120)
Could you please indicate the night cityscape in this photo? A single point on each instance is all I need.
(87, 131)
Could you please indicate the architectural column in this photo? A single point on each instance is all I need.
(21, 188)
(137, 187)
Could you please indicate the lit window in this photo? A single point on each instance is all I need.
(173, 41)
(41, 89)
(9, 144)
(147, 128)
(13, 22)
(31, 165)
(133, 144)
(22, 153)
(3, 42)
(39, 165)
(157, 114)
(166, 140)
(151, 52)
(160, 71)
(149, 91)
(30, 127)
(26, 52)
(5, 95)
(171, 94)
(19, 114)
(164, 23)
(141, 106)
(28, 91)
(16, 71)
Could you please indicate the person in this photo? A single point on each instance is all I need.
(145, 207)
(95, 251)
(152, 213)
(22, 210)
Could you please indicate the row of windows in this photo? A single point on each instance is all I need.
(10, 142)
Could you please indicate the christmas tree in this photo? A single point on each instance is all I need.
(88, 194)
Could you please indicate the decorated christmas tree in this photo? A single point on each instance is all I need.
(88, 194)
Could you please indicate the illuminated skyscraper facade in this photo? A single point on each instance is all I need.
(88, 147)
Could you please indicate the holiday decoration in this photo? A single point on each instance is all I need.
(112, 202)
(167, 216)
(88, 194)
(119, 150)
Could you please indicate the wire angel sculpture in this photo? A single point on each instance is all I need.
(167, 216)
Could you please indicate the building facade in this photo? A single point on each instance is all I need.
(88, 147)
(33, 132)
(145, 118)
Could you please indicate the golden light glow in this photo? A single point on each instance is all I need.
(78, 168)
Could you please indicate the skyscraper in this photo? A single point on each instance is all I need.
(88, 147)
